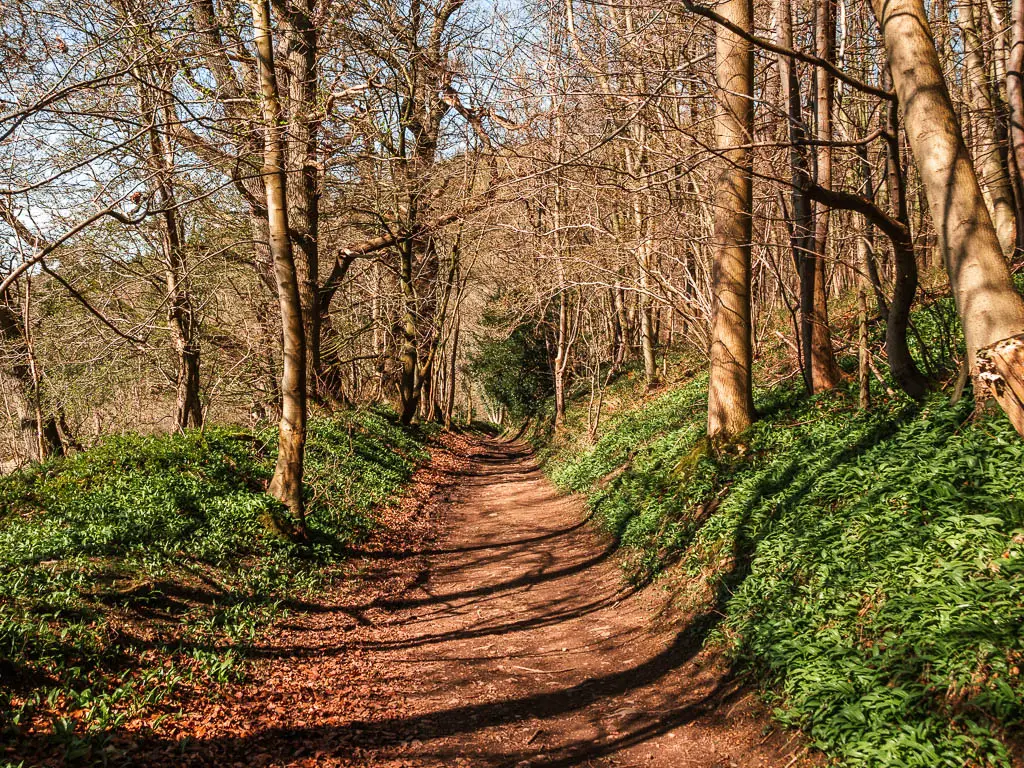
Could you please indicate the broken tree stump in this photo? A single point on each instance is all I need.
(1000, 371)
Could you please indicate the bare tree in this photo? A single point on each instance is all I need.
(730, 388)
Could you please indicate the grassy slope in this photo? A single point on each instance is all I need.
(143, 565)
(871, 566)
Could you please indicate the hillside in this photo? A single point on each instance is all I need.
(138, 576)
(868, 567)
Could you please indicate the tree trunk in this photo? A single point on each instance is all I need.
(823, 370)
(268, 343)
(901, 362)
(1015, 95)
(863, 353)
(286, 484)
(730, 397)
(647, 338)
(408, 356)
(866, 240)
(988, 146)
(625, 331)
(989, 306)
(449, 409)
(40, 436)
(801, 235)
(615, 331)
(180, 311)
(301, 37)
(636, 166)
(561, 360)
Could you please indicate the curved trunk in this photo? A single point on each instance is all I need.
(901, 362)
(989, 306)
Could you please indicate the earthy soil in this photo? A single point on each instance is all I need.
(497, 631)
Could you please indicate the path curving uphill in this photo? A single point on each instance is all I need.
(509, 640)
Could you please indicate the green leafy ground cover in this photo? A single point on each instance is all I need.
(870, 566)
(144, 565)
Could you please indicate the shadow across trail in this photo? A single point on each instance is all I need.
(517, 643)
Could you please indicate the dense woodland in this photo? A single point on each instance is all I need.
(290, 222)
(234, 214)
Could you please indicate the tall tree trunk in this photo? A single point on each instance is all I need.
(286, 484)
(824, 373)
(625, 331)
(863, 353)
(562, 248)
(801, 233)
(1015, 101)
(268, 343)
(449, 408)
(989, 306)
(647, 333)
(182, 319)
(730, 395)
(866, 239)
(408, 388)
(180, 311)
(636, 165)
(988, 144)
(901, 362)
(301, 37)
(428, 392)
(614, 330)
(156, 109)
(561, 359)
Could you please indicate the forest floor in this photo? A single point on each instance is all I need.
(500, 634)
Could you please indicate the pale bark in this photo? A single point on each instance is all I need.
(561, 359)
(988, 143)
(989, 305)
(449, 407)
(286, 484)
(730, 397)
(1015, 95)
(636, 165)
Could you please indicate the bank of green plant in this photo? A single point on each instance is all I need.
(870, 566)
(145, 564)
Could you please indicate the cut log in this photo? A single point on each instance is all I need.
(1000, 371)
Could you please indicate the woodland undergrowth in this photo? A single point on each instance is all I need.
(868, 566)
(145, 566)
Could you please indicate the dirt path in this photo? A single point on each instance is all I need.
(510, 642)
